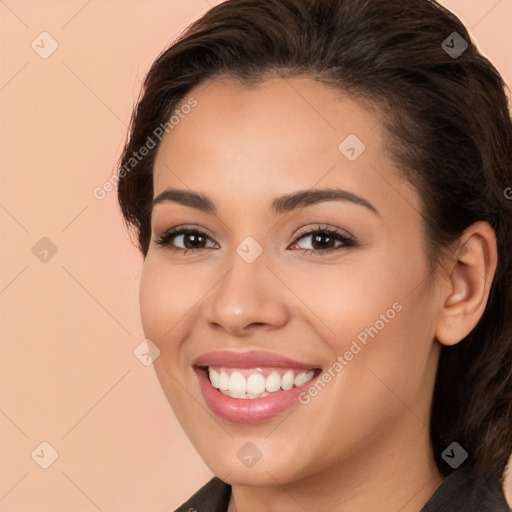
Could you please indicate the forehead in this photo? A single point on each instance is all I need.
(276, 121)
(278, 135)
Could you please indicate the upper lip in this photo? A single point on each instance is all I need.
(249, 359)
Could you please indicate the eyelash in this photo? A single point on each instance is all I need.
(346, 241)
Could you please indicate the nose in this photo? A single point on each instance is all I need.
(247, 298)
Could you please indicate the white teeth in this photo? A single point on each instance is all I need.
(223, 381)
(237, 383)
(214, 377)
(302, 378)
(244, 395)
(273, 382)
(256, 385)
(287, 380)
(299, 379)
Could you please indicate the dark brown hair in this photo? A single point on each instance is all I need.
(448, 128)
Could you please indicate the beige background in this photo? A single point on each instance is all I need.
(70, 324)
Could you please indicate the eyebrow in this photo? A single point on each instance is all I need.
(280, 205)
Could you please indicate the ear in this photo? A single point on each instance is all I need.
(468, 283)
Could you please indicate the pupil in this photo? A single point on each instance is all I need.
(317, 241)
(193, 241)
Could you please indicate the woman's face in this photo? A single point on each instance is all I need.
(260, 273)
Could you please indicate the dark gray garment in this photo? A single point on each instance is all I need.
(461, 491)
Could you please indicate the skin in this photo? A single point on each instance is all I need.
(363, 442)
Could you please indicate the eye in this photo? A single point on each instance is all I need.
(320, 241)
(185, 239)
(323, 240)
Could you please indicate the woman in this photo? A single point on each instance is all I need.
(319, 191)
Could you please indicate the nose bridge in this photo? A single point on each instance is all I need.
(245, 295)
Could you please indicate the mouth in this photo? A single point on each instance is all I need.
(259, 382)
(252, 387)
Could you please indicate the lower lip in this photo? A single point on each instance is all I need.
(248, 410)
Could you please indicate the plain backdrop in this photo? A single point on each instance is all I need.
(69, 274)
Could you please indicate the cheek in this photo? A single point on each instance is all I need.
(376, 312)
(362, 291)
(153, 300)
(166, 296)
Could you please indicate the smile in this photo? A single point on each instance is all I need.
(256, 382)
(251, 387)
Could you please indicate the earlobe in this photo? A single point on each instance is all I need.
(468, 284)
